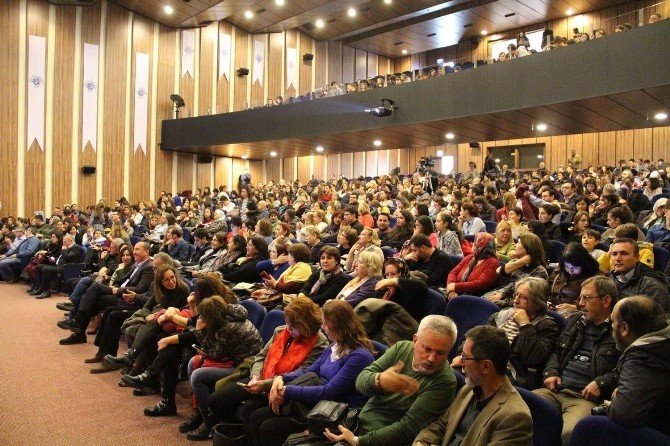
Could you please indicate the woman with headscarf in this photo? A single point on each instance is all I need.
(219, 223)
(476, 273)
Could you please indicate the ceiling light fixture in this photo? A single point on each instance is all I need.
(319, 149)
(351, 12)
(661, 116)
(404, 51)
(168, 9)
(320, 23)
(388, 2)
(484, 32)
(449, 135)
(273, 153)
(280, 2)
(387, 108)
(541, 127)
(440, 61)
(244, 157)
(248, 14)
(377, 143)
(440, 153)
(570, 11)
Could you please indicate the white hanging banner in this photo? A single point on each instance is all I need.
(89, 125)
(141, 100)
(224, 55)
(36, 90)
(291, 68)
(259, 61)
(187, 53)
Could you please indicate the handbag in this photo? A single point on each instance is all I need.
(227, 434)
(302, 439)
(327, 414)
(298, 410)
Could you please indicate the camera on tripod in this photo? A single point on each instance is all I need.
(425, 164)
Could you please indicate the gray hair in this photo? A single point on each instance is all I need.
(118, 242)
(165, 259)
(604, 287)
(439, 324)
(68, 237)
(539, 292)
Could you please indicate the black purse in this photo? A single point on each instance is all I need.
(327, 414)
(298, 410)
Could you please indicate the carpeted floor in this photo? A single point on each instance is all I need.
(50, 398)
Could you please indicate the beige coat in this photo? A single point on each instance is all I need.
(505, 420)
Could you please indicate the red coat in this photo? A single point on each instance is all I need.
(480, 280)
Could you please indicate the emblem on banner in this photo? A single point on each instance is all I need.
(89, 85)
(141, 92)
(36, 80)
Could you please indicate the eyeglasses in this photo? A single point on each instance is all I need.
(587, 297)
(469, 358)
(521, 297)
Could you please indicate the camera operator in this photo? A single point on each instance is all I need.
(428, 175)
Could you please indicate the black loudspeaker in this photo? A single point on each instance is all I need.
(474, 145)
(243, 72)
(88, 170)
(307, 57)
(205, 159)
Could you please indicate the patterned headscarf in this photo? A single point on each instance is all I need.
(483, 247)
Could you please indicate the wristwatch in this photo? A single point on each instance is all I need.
(354, 442)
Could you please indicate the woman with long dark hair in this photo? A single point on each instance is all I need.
(575, 266)
(246, 271)
(402, 231)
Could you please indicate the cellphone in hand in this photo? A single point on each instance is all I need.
(198, 349)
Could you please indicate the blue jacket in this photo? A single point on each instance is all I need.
(26, 249)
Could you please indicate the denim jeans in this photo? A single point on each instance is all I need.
(203, 380)
(79, 290)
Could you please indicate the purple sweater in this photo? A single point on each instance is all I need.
(339, 377)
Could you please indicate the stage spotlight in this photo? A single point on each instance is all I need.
(387, 108)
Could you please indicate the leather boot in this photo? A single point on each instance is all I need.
(164, 408)
(205, 431)
(144, 379)
(193, 423)
(125, 360)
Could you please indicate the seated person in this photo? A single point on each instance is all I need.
(367, 272)
(531, 332)
(590, 240)
(476, 273)
(337, 367)
(580, 371)
(468, 221)
(368, 241)
(298, 344)
(206, 263)
(326, 282)
(628, 230)
(432, 262)
(291, 280)
(246, 271)
(504, 242)
(45, 273)
(402, 231)
(642, 395)
(424, 225)
(618, 216)
(653, 218)
(487, 410)
(575, 266)
(661, 233)
(346, 239)
(409, 387)
(398, 286)
(14, 260)
(175, 245)
(278, 261)
(528, 260)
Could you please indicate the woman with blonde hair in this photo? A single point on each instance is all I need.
(509, 202)
(503, 240)
(364, 217)
(368, 271)
(368, 240)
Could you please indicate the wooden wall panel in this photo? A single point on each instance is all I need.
(203, 175)
(383, 162)
(256, 172)
(393, 159)
(223, 84)
(320, 58)
(347, 169)
(115, 101)
(371, 161)
(274, 64)
(291, 37)
(87, 157)
(9, 112)
(625, 144)
(258, 98)
(62, 134)
(661, 143)
(239, 165)
(333, 166)
(463, 157)
(402, 64)
(208, 42)
(305, 65)
(361, 67)
(348, 64)
(289, 170)
(185, 166)
(372, 65)
(38, 25)
(606, 147)
(303, 169)
(241, 42)
(139, 160)
(643, 143)
(319, 170)
(404, 161)
(222, 170)
(383, 66)
(334, 61)
(167, 47)
(359, 164)
(589, 150)
(272, 170)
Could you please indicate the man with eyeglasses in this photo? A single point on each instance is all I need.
(580, 372)
(488, 409)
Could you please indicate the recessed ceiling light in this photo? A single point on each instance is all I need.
(440, 153)
(661, 116)
(570, 11)
(540, 157)
(377, 143)
(541, 127)
(319, 148)
(351, 12)
(280, 2)
(484, 32)
(244, 157)
(168, 9)
(449, 135)
(320, 23)
(440, 61)
(248, 14)
(404, 51)
(273, 153)
(388, 2)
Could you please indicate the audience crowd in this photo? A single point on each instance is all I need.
(569, 269)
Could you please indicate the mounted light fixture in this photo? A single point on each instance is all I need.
(387, 108)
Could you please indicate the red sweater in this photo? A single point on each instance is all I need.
(481, 278)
